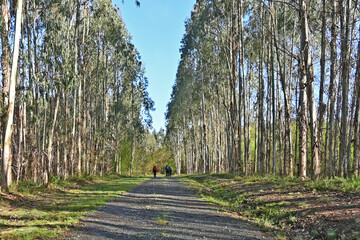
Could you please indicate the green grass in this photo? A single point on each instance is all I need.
(29, 233)
(163, 234)
(32, 211)
(347, 186)
(162, 219)
(324, 199)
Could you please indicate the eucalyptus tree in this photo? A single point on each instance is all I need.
(82, 90)
(9, 100)
(345, 26)
(356, 163)
(249, 81)
(204, 113)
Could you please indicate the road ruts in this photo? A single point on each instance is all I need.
(163, 208)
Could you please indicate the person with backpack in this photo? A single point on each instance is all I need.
(168, 171)
(155, 170)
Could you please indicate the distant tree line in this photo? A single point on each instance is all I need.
(75, 96)
(268, 87)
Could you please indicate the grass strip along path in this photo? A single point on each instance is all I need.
(294, 209)
(35, 212)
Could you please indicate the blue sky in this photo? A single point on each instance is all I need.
(157, 28)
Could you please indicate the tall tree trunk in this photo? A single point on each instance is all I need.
(241, 85)
(205, 159)
(50, 143)
(293, 162)
(307, 78)
(79, 80)
(73, 132)
(356, 162)
(5, 56)
(20, 157)
(345, 62)
(268, 113)
(261, 94)
(322, 106)
(273, 101)
(330, 162)
(66, 145)
(132, 155)
(337, 129)
(303, 101)
(7, 161)
(6, 71)
(288, 153)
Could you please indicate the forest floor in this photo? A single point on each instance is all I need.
(164, 208)
(32, 211)
(293, 209)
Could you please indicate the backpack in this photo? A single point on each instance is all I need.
(155, 169)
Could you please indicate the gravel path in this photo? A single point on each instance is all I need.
(163, 208)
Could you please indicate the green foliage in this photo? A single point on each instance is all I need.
(125, 156)
(354, 235)
(315, 233)
(26, 187)
(331, 234)
(154, 153)
(350, 185)
(346, 185)
(162, 219)
(272, 213)
(164, 234)
(149, 152)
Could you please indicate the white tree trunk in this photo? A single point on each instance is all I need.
(6, 170)
(49, 151)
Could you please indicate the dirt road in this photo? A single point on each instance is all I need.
(163, 208)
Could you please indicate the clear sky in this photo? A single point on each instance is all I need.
(157, 28)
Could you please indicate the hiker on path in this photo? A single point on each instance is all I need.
(155, 170)
(168, 171)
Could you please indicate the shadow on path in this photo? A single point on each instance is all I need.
(163, 208)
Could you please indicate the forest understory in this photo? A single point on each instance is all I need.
(293, 209)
